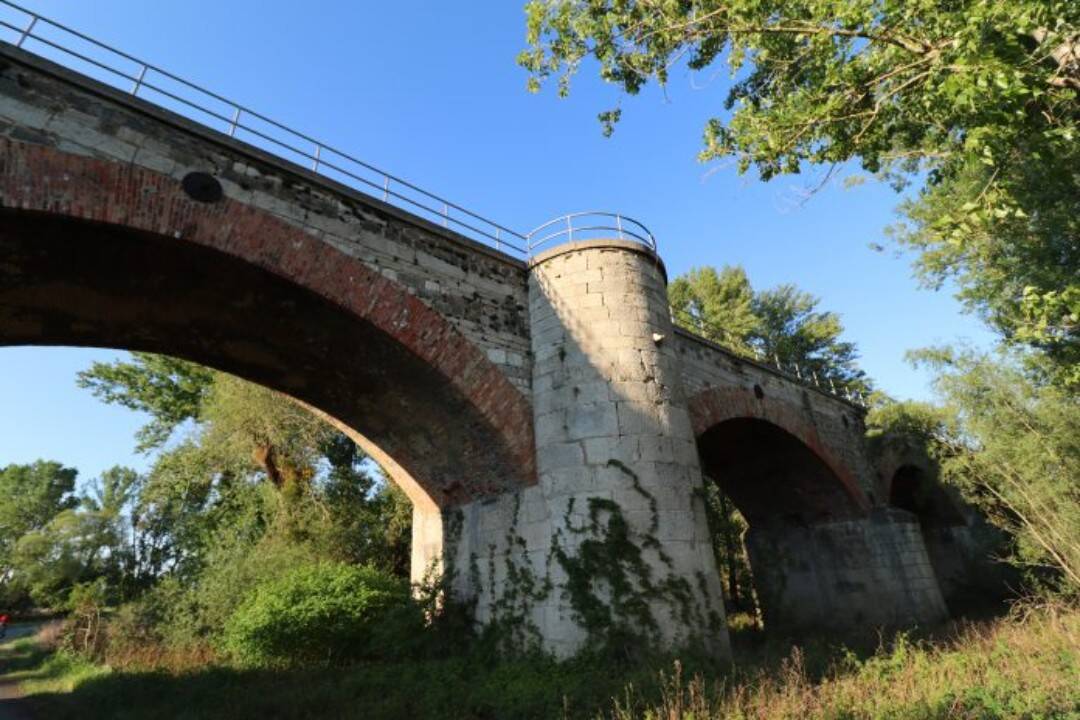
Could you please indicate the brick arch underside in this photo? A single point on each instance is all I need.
(770, 460)
(100, 254)
(913, 487)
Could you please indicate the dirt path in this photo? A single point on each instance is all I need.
(11, 705)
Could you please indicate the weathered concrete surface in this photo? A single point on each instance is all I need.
(962, 546)
(536, 416)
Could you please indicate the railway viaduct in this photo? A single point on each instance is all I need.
(554, 431)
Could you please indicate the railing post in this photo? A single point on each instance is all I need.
(26, 33)
(498, 236)
(386, 188)
(315, 160)
(234, 123)
(569, 229)
(618, 224)
(138, 81)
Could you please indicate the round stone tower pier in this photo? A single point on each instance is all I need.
(617, 459)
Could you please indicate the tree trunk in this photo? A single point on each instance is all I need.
(263, 455)
(731, 549)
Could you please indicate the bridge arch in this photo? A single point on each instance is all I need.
(100, 253)
(776, 422)
(802, 506)
(913, 488)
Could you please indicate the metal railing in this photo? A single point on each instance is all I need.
(142, 79)
(589, 225)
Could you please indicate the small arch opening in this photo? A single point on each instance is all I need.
(765, 489)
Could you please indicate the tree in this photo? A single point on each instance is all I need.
(794, 332)
(30, 497)
(1012, 446)
(47, 562)
(108, 504)
(727, 526)
(170, 390)
(977, 98)
(716, 305)
(91, 541)
(324, 489)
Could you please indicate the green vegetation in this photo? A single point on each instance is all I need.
(324, 613)
(251, 502)
(1012, 446)
(259, 568)
(1012, 669)
(30, 497)
(975, 99)
(1020, 667)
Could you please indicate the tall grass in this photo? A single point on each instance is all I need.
(1024, 666)
(1021, 667)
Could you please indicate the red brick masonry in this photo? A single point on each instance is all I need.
(713, 406)
(43, 179)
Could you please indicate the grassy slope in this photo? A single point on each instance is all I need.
(1012, 669)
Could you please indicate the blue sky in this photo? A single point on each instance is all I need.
(431, 92)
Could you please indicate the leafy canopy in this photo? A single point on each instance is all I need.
(716, 305)
(252, 466)
(168, 389)
(1012, 446)
(978, 98)
(30, 497)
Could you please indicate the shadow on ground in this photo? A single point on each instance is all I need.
(454, 686)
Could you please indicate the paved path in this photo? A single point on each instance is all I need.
(11, 705)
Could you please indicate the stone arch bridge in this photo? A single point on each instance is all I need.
(551, 426)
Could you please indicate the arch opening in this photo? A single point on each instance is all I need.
(913, 489)
(771, 475)
(790, 498)
(66, 281)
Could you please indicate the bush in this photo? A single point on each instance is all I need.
(325, 613)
